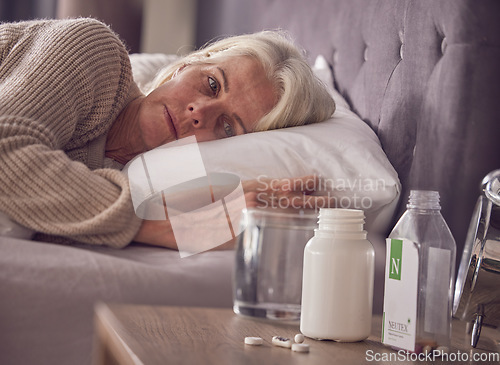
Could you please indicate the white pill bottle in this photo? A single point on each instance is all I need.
(337, 284)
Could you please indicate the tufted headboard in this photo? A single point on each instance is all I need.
(424, 74)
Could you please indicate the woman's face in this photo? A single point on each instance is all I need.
(210, 101)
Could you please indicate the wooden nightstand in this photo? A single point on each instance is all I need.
(130, 334)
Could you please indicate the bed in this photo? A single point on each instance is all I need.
(422, 76)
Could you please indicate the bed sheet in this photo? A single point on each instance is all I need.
(48, 292)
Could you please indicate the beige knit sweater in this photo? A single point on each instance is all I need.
(62, 85)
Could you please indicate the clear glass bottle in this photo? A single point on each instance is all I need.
(337, 285)
(423, 229)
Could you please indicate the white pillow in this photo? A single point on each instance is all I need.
(145, 66)
(343, 150)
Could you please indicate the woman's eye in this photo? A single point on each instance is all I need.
(214, 85)
(228, 129)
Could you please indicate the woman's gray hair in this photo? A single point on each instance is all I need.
(303, 98)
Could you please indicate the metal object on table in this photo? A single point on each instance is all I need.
(477, 290)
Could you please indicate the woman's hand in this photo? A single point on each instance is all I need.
(285, 194)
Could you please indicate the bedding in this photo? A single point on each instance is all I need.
(343, 151)
(352, 166)
(48, 292)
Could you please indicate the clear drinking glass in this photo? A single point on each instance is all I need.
(269, 258)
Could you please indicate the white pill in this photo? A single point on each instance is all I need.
(427, 349)
(300, 347)
(282, 342)
(299, 338)
(440, 350)
(254, 341)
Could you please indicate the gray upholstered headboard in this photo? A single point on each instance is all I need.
(424, 74)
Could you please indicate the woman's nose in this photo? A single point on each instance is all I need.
(203, 114)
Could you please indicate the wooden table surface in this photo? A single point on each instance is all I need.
(131, 334)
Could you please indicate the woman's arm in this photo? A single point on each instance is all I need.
(294, 193)
(62, 84)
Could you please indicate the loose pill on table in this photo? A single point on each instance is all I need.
(254, 341)
(440, 350)
(300, 347)
(299, 338)
(282, 342)
(427, 349)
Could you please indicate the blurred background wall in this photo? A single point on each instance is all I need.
(167, 26)
(12, 10)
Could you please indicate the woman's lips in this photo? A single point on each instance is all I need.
(170, 122)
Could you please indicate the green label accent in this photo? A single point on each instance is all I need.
(395, 260)
(383, 327)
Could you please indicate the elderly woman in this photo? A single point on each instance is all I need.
(70, 114)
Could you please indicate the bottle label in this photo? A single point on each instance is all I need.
(435, 319)
(400, 295)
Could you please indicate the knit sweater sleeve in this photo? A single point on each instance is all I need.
(63, 83)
